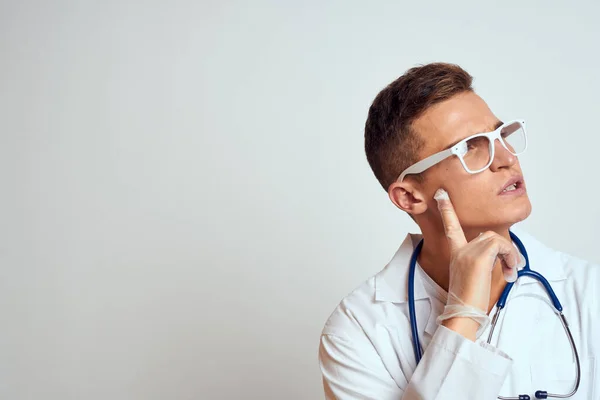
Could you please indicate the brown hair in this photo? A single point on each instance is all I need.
(391, 144)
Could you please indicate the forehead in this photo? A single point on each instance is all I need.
(454, 119)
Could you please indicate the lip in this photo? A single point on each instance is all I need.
(520, 186)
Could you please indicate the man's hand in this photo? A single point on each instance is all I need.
(471, 265)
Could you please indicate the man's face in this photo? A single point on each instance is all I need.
(477, 198)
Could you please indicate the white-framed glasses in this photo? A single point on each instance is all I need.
(476, 152)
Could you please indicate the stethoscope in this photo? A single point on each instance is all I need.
(526, 271)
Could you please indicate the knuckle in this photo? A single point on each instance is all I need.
(451, 228)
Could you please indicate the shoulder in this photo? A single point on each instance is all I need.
(369, 304)
(581, 276)
(554, 261)
(347, 318)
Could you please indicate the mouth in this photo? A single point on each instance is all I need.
(514, 186)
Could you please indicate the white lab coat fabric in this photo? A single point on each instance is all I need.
(366, 348)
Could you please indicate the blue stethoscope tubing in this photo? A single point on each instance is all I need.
(526, 271)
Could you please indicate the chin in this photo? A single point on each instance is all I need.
(514, 213)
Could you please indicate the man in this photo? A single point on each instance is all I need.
(465, 191)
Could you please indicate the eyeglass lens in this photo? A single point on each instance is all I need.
(478, 148)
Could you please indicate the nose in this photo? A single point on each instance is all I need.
(502, 157)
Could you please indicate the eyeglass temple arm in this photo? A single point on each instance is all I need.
(425, 163)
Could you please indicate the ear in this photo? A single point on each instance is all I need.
(408, 196)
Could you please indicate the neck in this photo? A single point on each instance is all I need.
(435, 259)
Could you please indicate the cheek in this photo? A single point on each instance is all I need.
(450, 176)
(467, 191)
(470, 195)
(463, 197)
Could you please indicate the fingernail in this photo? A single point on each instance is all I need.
(512, 276)
(522, 262)
(441, 194)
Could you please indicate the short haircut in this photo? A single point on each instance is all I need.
(391, 143)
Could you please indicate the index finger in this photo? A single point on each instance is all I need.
(454, 232)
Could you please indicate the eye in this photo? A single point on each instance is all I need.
(477, 143)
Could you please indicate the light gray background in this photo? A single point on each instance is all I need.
(185, 196)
